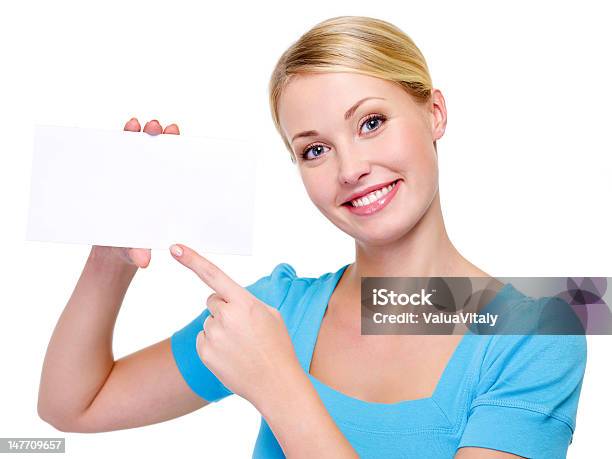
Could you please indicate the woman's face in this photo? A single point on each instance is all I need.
(341, 152)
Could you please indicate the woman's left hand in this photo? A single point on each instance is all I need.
(244, 342)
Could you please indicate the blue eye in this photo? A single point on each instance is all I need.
(368, 121)
(310, 148)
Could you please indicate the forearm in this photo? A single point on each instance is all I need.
(300, 421)
(79, 357)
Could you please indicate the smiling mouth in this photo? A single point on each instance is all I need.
(372, 196)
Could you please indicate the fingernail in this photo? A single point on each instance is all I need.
(154, 121)
(176, 250)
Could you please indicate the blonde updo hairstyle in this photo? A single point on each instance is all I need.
(356, 44)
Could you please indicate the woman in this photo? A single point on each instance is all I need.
(354, 104)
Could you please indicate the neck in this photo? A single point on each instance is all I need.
(423, 251)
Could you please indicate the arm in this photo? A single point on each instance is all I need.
(82, 387)
(527, 395)
(484, 453)
(245, 342)
(299, 420)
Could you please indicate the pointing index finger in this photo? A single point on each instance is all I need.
(211, 274)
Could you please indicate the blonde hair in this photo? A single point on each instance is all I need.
(355, 44)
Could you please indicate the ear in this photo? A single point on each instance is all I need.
(437, 112)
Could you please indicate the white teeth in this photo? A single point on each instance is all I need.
(373, 196)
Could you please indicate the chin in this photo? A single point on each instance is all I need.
(384, 236)
(383, 231)
(375, 235)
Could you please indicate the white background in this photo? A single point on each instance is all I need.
(525, 168)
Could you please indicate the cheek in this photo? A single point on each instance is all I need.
(320, 192)
(411, 151)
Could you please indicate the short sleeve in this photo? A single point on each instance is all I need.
(271, 289)
(526, 398)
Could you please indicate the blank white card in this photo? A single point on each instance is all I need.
(132, 189)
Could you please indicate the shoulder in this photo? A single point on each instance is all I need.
(521, 314)
(533, 358)
(541, 373)
(272, 288)
(543, 338)
(283, 285)
(525, 394)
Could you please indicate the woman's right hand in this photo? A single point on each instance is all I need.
(136, 256)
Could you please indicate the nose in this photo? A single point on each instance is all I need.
(352, 166)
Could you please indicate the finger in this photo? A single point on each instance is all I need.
(152, 127)
(215, 303)
(209, 327)
(200, 343)
(142, 257)
(212, 276)
(132, 125)
(172, 129)
(206, 323)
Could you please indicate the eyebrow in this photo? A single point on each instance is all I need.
(350, 112)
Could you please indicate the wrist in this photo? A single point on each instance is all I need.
(281, 386)
(287, 388)
(104, 263)
(296, 414)
(109, 258)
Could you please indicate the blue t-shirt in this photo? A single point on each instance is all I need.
(513, 393)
